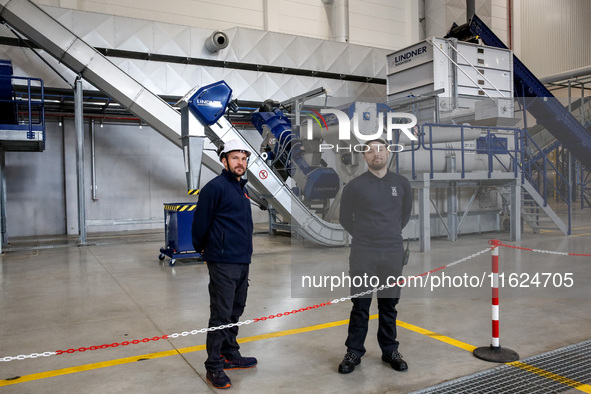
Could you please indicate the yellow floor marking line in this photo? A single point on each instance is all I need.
(127, 360)
(530, 368)
(547, 374)
(434, 335)
(87, 367)
(454, 342)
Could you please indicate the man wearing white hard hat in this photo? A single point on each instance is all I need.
(222, 232)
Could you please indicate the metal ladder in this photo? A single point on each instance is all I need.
(537, 214)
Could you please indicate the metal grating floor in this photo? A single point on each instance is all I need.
(553, 372)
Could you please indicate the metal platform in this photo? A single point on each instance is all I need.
(553, 372)
(26, 140)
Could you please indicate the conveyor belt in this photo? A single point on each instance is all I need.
(33, 23)
(540, 102)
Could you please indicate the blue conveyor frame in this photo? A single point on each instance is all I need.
(541, 102)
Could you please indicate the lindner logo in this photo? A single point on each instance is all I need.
(394, 121)
(209, 103)
(407, 57)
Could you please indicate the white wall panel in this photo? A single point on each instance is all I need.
(202, 13)
(308, 18)
(554, 35)
(499, 20)
(382, 24)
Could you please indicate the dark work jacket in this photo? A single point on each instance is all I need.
(222, 223)
(375, 210)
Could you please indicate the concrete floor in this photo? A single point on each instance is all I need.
(117, 290)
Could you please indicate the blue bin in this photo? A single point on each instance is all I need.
(178, 219)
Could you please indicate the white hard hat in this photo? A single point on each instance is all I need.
(235, 145)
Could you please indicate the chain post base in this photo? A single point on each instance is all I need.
(495, 354)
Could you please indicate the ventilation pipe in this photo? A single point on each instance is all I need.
(339, 19)
(470, 9)
(218, 40)
(422, 20)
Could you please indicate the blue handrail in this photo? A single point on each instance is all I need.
(520, 157)
(491, 149)
(27, 105)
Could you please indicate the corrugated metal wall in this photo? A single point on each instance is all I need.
(555, 35)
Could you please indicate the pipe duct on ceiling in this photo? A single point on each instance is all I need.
(218, 40)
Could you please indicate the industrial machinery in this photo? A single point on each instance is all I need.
(473, 152)
(285, 152)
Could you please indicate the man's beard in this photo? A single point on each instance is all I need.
(236, 174)
(377, 166)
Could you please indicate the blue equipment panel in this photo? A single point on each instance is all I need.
(497, 145)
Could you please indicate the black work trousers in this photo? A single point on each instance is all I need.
(228, 287)
(385, 265)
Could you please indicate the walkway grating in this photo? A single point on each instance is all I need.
(552, 372)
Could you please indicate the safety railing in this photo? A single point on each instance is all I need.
(492, 145)
(22, 103)
(536, 171)
(500, 157)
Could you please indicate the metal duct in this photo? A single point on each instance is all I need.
(218, 40)
(571, 74)
(339, 19)
(470, 9)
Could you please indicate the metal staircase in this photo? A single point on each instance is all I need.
(534, 211)
(537, 213)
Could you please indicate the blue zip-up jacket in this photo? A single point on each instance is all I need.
(222, 223)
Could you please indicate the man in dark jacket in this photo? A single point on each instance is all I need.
(375, 207)
(222, 232)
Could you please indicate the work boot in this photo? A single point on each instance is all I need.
(395, 360)
(240, 363)
(219, 379)
(349, 362)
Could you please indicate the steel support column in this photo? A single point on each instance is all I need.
(515, 219)
(452, 202)
(4, 238)
(79, 123)
(424, 215)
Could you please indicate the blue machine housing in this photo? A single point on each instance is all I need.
(321, 182)
(209, 103)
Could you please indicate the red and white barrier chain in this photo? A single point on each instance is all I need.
(543, 251)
